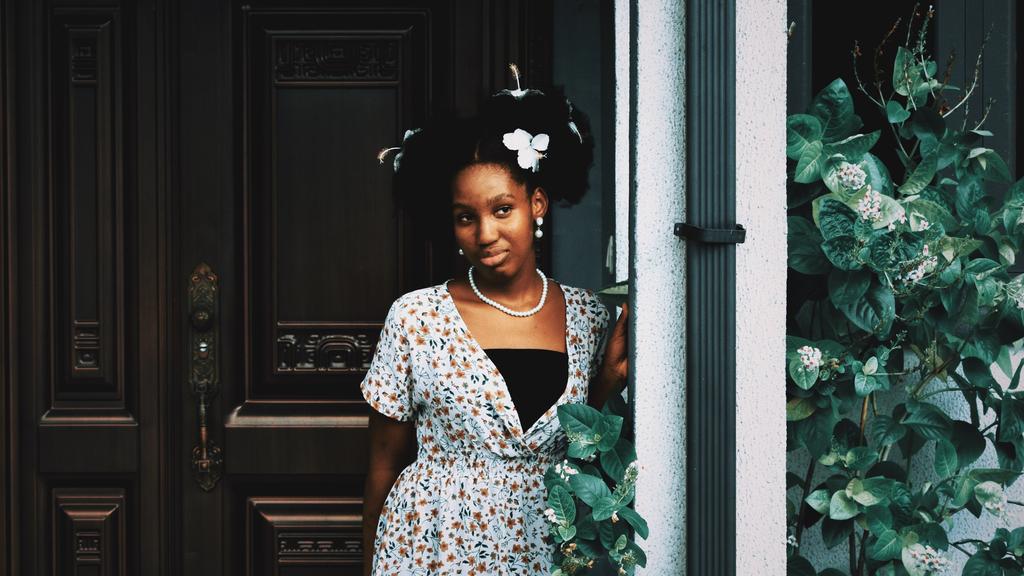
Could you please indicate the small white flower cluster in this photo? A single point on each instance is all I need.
(902, 220)
(550, 515)
(930, 559)
(615, 517)
(791, 541)
(810, 357)
(565, 470)
(922, 267)
(632, 471)
(851, 176)
(1019, 299)
(925, 224)
(870, 206)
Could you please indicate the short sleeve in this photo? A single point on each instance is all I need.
(600, 332)
(387, 386)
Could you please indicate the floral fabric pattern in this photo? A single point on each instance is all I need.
(472, 503)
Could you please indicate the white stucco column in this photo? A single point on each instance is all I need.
(761, 287)
(657, 177)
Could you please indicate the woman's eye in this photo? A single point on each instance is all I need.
(504, 210)
(462, 218)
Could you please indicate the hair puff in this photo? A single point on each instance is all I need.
(431, 157)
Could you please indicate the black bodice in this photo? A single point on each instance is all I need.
(535, 378)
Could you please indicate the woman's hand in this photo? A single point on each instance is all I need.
(614, 370)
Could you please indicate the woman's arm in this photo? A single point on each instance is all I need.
(611, 378)
(392, 446)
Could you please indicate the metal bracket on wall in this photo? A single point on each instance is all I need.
(711, 235)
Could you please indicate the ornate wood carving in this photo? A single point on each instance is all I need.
(322, 58)
(89, 531)
(324, 350)
(304, 532)
(87, 213)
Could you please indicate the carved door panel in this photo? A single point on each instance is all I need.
(204, 248)
(289, 233)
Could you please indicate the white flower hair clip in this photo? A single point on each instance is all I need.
(529, 147)
(398, 157)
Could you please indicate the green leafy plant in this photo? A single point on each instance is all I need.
(589, 493)
(915, 302)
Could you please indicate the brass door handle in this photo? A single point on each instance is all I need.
(204, 372)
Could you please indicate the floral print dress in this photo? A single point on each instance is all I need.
(472, 503)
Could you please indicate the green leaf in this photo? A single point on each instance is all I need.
(982, 565)
(801, 130)
(888, 546)
(933, 212)
(902, 72)
(567, 532)
(842, 507)
(635, 520)
(946, 462)
(610, 435)
(885, 430)
(855, 489)
(805, 255)
(818, 500)
(861, 458)
(878, 174)
(895, 112)
(589, 488)
(969, 442)
(799, 408)
(808, 166)
(815, 432)
(835, 219)
(835, 532)
(799, 566)
(928, 125)
(864, 384)
(929, 422)
(875, 312)
(995, 167)
(854, 147)
(578, 418)
(879, 519)
(988, 493)
(847, 287)
(615, 461)
(841, 251)
(922, 176)
(970, 196)
(834, 108)
(1011, 419)
(561, 502)
(804, 377)
(605, 507)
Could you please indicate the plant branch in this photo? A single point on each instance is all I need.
(977, 76)
(803, 499)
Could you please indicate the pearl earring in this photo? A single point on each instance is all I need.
(460, 251)
(538, 232)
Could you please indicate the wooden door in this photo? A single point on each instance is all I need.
(199, 219)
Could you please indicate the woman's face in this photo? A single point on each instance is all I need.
(494, 219)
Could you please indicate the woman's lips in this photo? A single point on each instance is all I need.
(494, 260)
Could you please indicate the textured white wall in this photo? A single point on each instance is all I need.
(658, 177)
(761, 287)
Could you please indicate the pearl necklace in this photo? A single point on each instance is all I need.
(506, 309)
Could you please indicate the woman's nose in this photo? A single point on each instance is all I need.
(487, 232)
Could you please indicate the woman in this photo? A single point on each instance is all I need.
(468, 374)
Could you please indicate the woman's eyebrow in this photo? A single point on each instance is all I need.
(503, 197)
